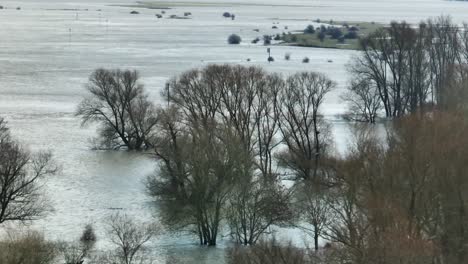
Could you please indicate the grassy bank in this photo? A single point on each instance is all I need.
(313, 38)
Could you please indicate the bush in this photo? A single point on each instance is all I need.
(351, 35)
(234, 39)
(134, 12)
(266, 40)
(353, 28)
(341, 39)
(27, 248)
(335, 33)
(267, 252)
(309, 30)
(255, 41)
(321, 35)
(159, 16)
(226, 14)
(305, 60)
(271, 59)
(277, 37)
(287, 56)
(187, 14)
(274, 27)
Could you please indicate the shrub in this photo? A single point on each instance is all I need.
(267, 252)
(341, 39)
(159, 16)
(187, 14)
(353, 28)
(234, 39)
(134, 12)
(233, 16)
(287, 56)
(305, 60)
(255, 41)
(309, 30)
(266, 40)
(351, 35)
(321, 35)
(226, 14)
(294, 38)
(271, 59)
(274, 27)
(277, 37)
(335, 33)
(27, 248)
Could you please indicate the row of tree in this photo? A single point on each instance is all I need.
(402, 69)
(230, 136)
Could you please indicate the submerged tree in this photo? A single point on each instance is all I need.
(20, 174)
(304, 131)
(119, 104)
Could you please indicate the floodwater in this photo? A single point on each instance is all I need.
(47, 53)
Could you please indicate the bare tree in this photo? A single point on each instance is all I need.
(119, 104)
(313, 210)
(254, 206)
(129, 236)
(303, 129)
(364, 101)
(76, 252)
(20, 173)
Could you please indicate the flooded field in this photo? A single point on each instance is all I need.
(49, 48)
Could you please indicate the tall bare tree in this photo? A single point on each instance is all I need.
(304, 131)
(20, 174)
(118, 102)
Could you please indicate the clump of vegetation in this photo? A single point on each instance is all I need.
(274, 27)
(287, 56)
(331, 36)
(226, 14)
(271, 59)
(77, 252)
(321, 36)
(255, 40)
(134, 12)
(310, 29)
(27, 248)
(234, 39)
(267, 40)
(266, 252)
(305, 60)
(187, 14)
(277, 37)
(159, 16)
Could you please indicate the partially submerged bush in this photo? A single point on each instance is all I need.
(255, 40)
(134, 12)
(305, 60)
(287, 56)
(226, 14)
(267, 252)
(234, 39)
(271, 59)
(266, 40)
(27, 248)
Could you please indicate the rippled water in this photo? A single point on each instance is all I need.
(46, 56)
